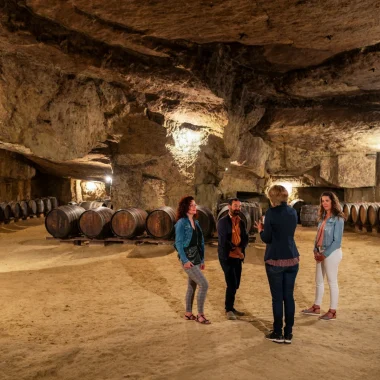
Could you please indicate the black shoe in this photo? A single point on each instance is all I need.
(238, 313)
(288, 338)
(274, 337)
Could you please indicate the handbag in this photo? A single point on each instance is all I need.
(193, 252)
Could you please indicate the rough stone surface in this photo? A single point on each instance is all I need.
(279, 89)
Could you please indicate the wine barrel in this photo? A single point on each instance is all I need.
(32, 207)
(244, 215)
(108, 203)
(255, 212)
(354, 212)
(206, 221)
(88, 205)
(24, 209)
(15, 209)
(54, 202)
(96, 222)
(160, 223)
(40, 205)
(129, 223)
(5, 212)
(309, 215)
(221, 205)
(47, 205)
(297, 204)
(347, 211)
(62, 222)
(372, 214)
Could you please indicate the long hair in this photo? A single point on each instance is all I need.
(336, 208)
(183, 207)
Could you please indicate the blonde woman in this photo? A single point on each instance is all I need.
(327, 254)
(281, 261)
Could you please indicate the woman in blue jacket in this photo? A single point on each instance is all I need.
(281, 261)
(328, 254)
(189, 243)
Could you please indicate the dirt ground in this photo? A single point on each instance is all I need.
(115, 312)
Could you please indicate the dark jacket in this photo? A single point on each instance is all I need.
(225, 237)
(279, 227)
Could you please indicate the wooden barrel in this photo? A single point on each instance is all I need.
(5, 212)
(32, 207)
(88, 205)
(297, 204)
(354, 212)
(40, 206)
(62, 222)
(206, 221)
(47, 205)
(221, 205)
(24, 209)
(255, 212)
(54, 202)
(347, 211)
(309, 215)
(16, 209)
(108, 203)
(244, 215)
(129, 223)
(160, 223)
(96, 222)
(373, 214)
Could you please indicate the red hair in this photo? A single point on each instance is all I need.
(183, 207)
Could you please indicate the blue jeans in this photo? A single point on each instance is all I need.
(281, 281)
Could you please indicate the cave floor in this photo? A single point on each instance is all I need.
(115, 312)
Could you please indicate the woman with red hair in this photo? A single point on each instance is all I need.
(189, 243)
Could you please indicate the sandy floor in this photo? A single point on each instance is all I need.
(114, 312)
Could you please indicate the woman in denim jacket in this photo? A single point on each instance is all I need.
(328, 254)
(189, 243)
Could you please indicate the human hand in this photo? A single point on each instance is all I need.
(318, 257)
(188, 265)
(259, 226)
(203, 266)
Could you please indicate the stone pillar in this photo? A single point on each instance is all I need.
(377, 188)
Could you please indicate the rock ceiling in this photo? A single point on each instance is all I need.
(75, 75)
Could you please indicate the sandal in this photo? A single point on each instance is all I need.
(191, 317)
(329, 316)
(314, 310)
(202, 319)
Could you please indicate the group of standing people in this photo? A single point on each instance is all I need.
(281, 257)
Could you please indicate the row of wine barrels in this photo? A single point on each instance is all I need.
(62, 222)
(366, 214)
(297, 205)
(309, 215)
(244, 215)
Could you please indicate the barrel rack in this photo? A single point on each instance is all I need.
(82, 240)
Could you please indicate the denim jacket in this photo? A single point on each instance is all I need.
(183, 234)
(332, 237)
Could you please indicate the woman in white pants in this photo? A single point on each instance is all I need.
(327, 254)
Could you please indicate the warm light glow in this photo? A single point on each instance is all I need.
(90, 186)
(109, 179)
(288, 186)
(187, 140)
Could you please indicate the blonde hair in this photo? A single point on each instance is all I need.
(277, 194)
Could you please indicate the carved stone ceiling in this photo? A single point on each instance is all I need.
(73, 71)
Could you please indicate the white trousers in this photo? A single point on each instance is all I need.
(329, 267)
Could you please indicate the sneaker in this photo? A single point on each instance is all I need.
(238, 313)
(288, 338)
(231, 315)
(274, 337)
